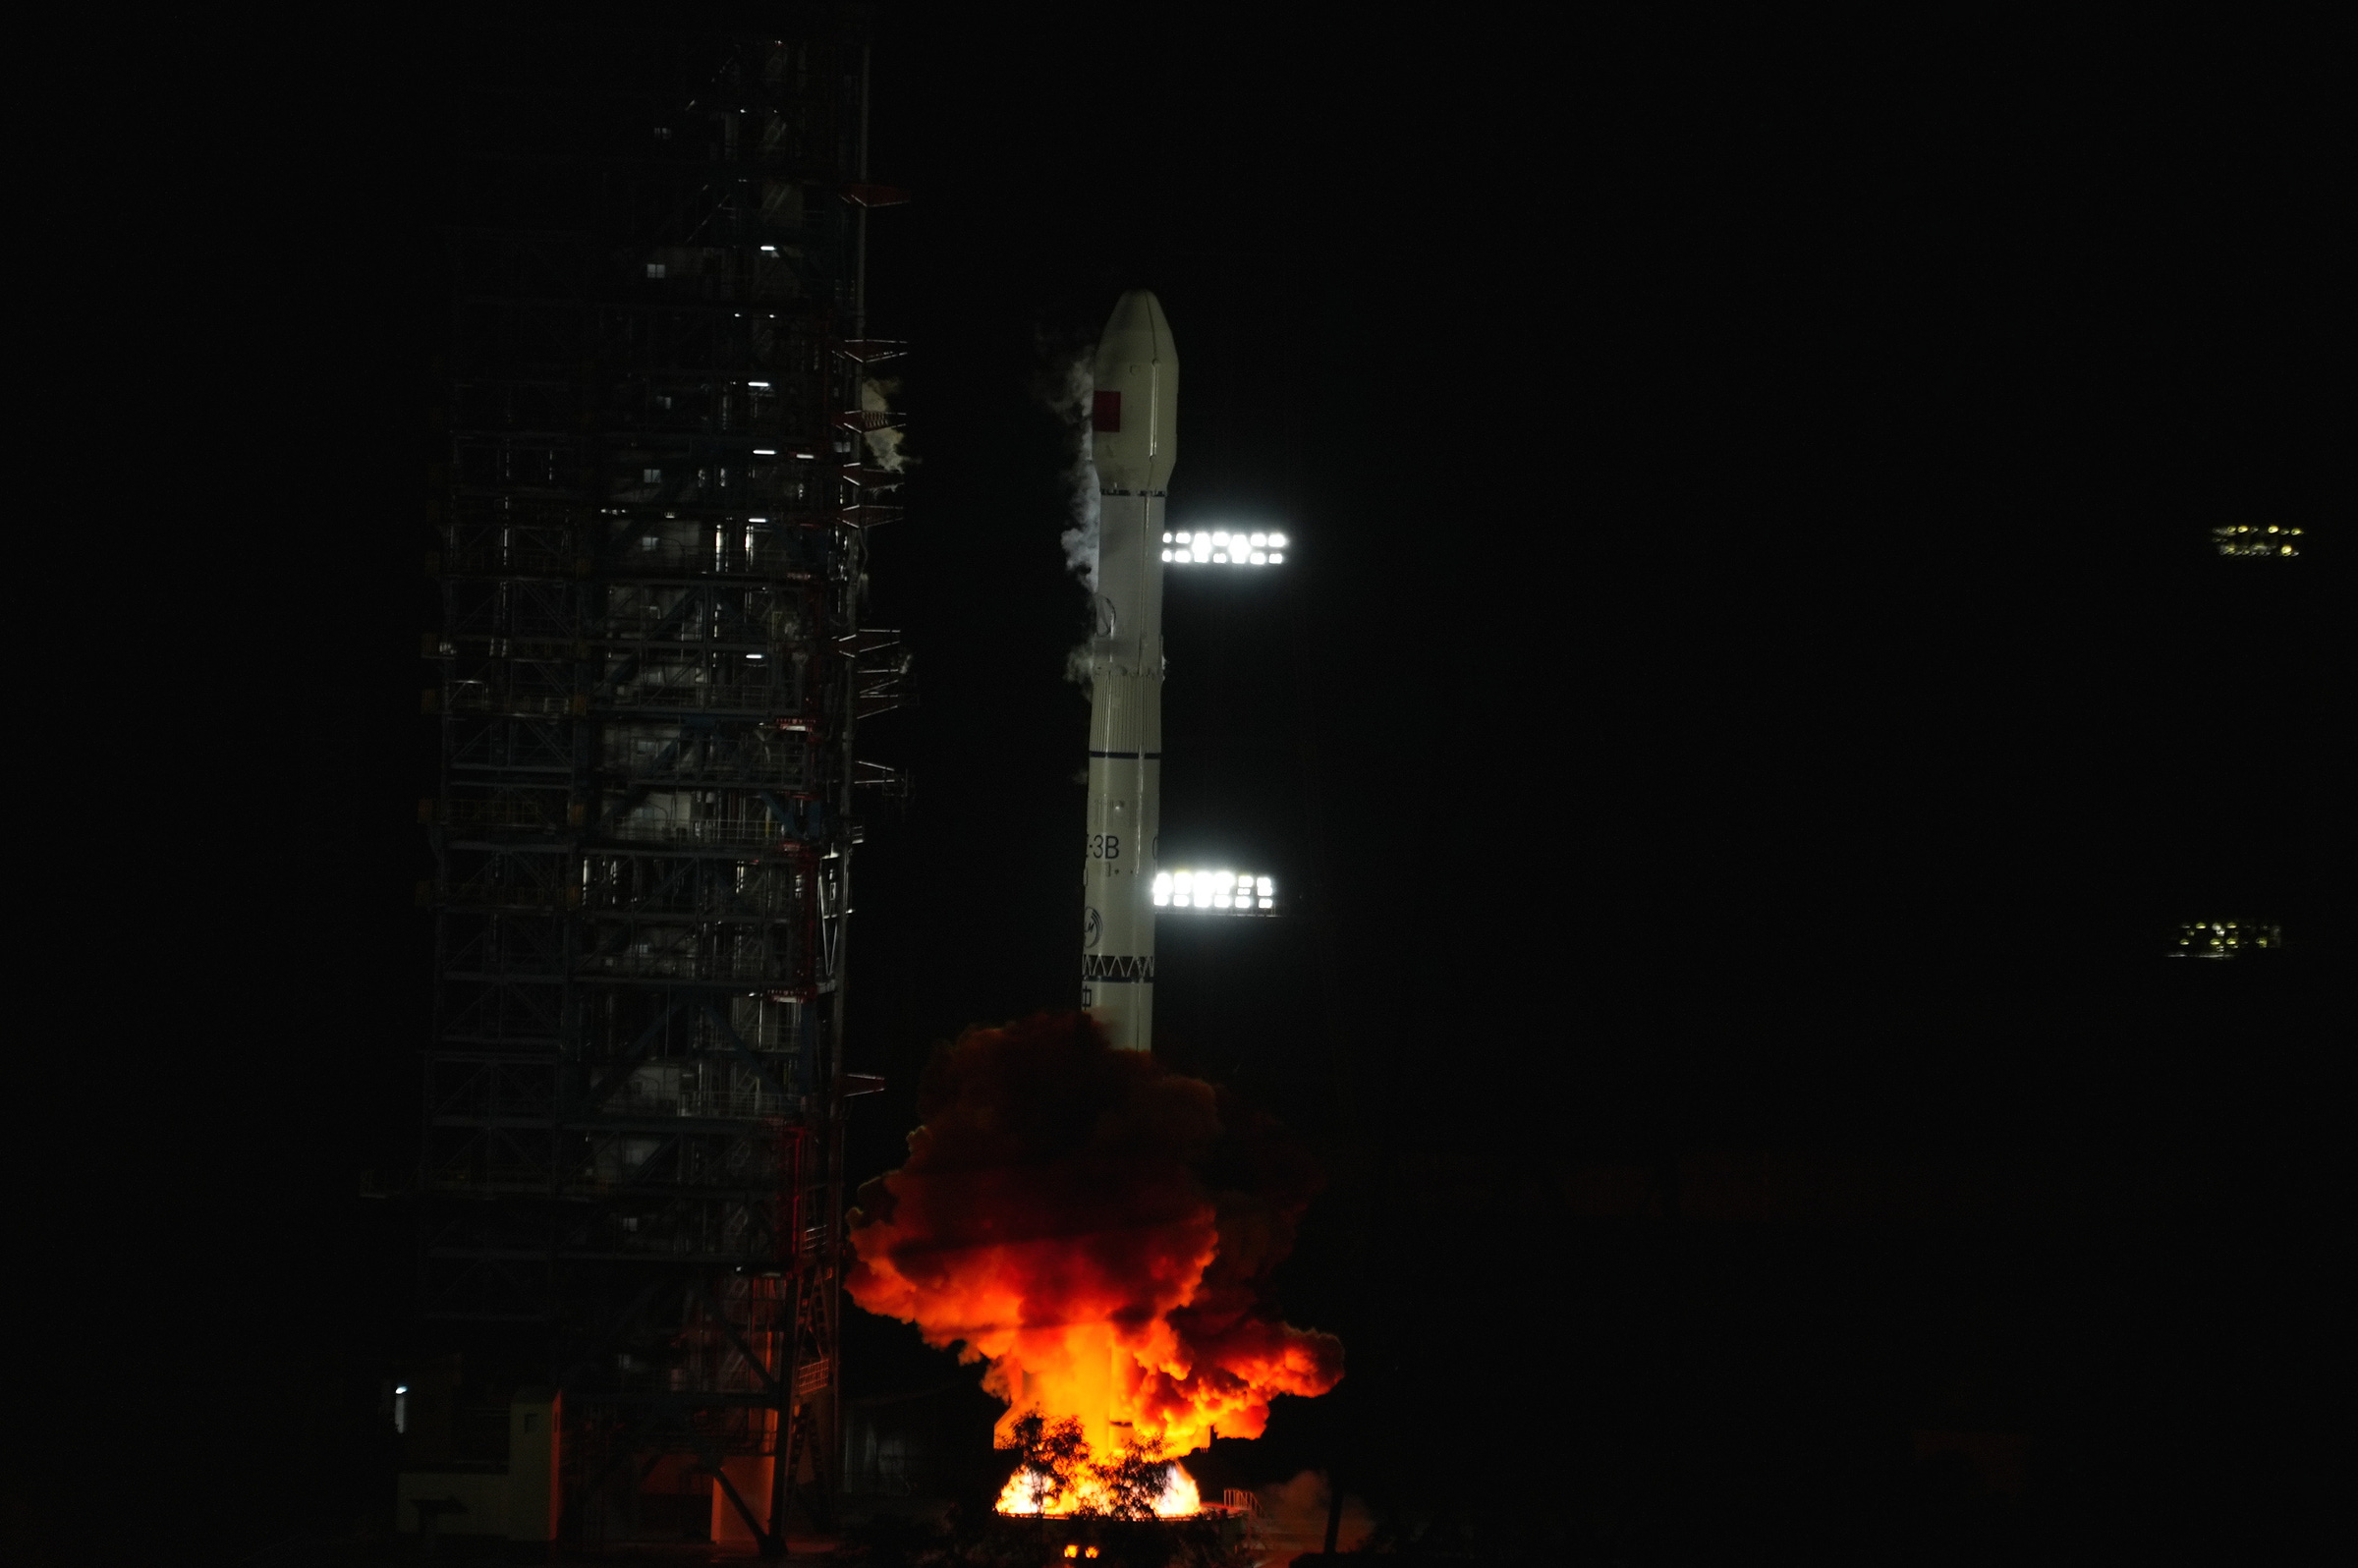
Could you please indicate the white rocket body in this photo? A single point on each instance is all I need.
(1136, 440)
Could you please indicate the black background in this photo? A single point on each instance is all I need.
(1752, 676)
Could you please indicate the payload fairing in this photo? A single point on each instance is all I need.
(1135, 423)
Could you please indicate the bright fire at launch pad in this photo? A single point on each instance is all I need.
(1101, 1232)
(1097, 1229)
(1058, 1479)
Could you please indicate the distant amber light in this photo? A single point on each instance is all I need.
(2223, 940)
(2254, 539)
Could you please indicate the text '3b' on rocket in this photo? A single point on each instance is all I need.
(1135, 432)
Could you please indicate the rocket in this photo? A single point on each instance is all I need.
(1134, 419)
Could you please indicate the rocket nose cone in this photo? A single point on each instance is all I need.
(1137, 315)
(1133, 417)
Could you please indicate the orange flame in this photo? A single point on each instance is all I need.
(1100, 1230)
(1029, 1494)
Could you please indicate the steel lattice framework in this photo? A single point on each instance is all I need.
(661, 471)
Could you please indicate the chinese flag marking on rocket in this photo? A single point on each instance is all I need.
(1101, 1231)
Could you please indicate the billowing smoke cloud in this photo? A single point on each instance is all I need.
(1103, 1231)
(1068, 392)
(1293, 1519)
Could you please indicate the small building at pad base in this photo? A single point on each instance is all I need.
(523, 1500)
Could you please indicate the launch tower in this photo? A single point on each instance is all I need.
(665, 448)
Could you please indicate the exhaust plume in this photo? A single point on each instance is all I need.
(1101, 1231)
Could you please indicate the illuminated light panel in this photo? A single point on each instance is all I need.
(2253, 539)
(1232, 892)
(1224, 547)
(2223, 940)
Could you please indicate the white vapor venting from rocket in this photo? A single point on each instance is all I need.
(1070, 395)
(883, 446)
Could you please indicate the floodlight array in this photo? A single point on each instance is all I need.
(2226, 938)
(1239, 892)
(1221, 547)
(2250, 539)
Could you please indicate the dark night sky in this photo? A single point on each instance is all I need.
(1751, 676)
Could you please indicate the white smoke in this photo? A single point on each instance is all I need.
(1293, 1519)
(1070, 396)
(883, 446)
